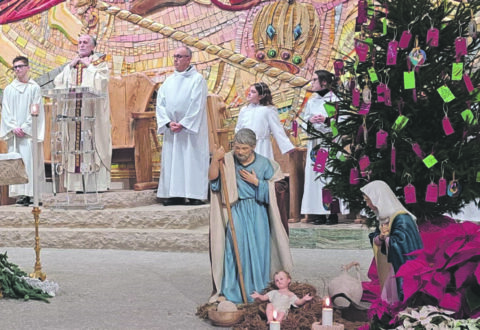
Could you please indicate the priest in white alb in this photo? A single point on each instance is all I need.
(182, 119)
(16, 126)
(88, 69)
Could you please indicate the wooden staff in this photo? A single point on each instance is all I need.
(227, 204)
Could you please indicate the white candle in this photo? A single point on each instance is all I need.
(274, 325)
(327, 313)
(34, 110)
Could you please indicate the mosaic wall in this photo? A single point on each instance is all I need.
(234, 43)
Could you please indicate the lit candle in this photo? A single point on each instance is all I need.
(34, 110)
(327, 313)
(274, 325)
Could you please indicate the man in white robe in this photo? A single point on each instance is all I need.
(16, 126)
(89, 69)
(182, 119)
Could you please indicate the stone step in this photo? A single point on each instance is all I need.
(136, 221)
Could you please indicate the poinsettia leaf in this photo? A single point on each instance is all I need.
(434, 289)
(473, 298)
(454, 247)
(451, 301)
(464, 255)
(465, 272)
(477, 273)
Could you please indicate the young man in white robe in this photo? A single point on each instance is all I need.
(182, 119)
(16, 126)
(89, 69)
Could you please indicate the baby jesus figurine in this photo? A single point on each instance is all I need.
(281, 299)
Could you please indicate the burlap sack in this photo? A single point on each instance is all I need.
(345, 283)
(12, 169)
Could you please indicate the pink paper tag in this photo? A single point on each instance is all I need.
(460, 47)
(355, 97)
(388, 98)
(442, 187)
(326, 196)
(432, 37)
(381, 92)
(354, 176)
(432, 193)
(392, 52)
(294, 128)
(364, 108)
(405, 39)
(418, 151)
(364, 162)
(362, 50)
(447, 126)
(381, 139)
(320, 161)
(338, 67)
(410, 195)
(393, 160)
(468, 83)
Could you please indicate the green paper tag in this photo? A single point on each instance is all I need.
(330, 109)
(430, 160)
(467, 115)
(373, 75)
(409, 80)
(384, 26)
(333, 126)
(400, 123)
(342, 158)
(478, 177)
(457, 71)
(446, 94)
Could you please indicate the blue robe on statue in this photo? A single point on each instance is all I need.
(250, 218)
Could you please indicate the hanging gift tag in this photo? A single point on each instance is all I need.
(373, 75)
(442, 187)
(366, 94)
(388, 98)
(467, 115)
(468, 83)
(338, 67)
(432, 37)
(400, 123)
(460, 47)
(364, 108)
(326, 196)
(381, 141)
(445, 93)
(320, 161)
(392, 52)
(430, 161)
(447, 126)
(393, 160)
(355, 97)
(457, 71)
(410, 194)
(409, 79)
(362, 12)
(432, 193)
(294, 128)
(405, 39)
(330, 109)
(381, 92)
(417, 150)
(384, 26)
(362, 50)
(333, 127)
(354, 176)
(364, 162)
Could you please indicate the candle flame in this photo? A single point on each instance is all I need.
(274, 315)
(327, 302)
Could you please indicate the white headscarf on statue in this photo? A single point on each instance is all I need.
(384, 199)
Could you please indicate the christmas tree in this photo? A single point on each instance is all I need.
(408, 113)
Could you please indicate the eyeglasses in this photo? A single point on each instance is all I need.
(15, 67)
(180, 56)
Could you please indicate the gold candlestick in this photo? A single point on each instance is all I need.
(37, 272)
